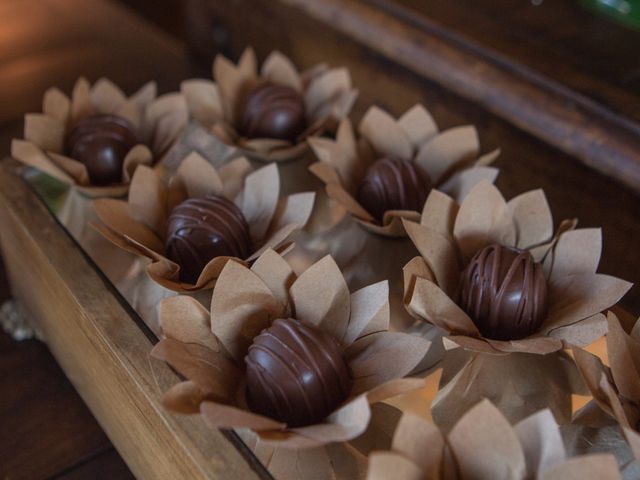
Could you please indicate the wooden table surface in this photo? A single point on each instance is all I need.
(47, 431)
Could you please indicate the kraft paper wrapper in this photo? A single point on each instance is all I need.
(484, 445)
(217, 105)
(157, 121)
(208, 348)
(139, 225)
(450, 160)
(616, 390)
(339, 461)
(449, 234)
(518, 385)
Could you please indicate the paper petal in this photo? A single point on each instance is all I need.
(115, 215)
(447, 150)
(418, 125)
(325, 88)
(31, 155)
(600, 466)
(421, 442)
(45, 132)
(582, 333)
(184, 319)
(369, 311)
(233, 175)
(541, 442)
(260, 200)
(147, 199)
(576, 297)
(56, 105)
(461, 183)
(76, 169)
(320, 296)
(280, 70)
(339, 194)
(388, 356)
(440, 254)
(384, 134)
(221, 416)
(293, 209)
(211, 371)
(81, 99)
(433, 305)
(203, 100)
(484, 218)
(106, 96)
(198, 177)
(241, 306)
(577, 252)
(386, 465)
(276, 274)
(138, 155)
(183, 397)
(439, 213)
(532, 216)
(485, 445)
(624, 358)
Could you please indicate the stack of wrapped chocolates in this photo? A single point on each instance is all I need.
(354, 300)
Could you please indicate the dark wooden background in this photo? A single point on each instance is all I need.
(47, 432)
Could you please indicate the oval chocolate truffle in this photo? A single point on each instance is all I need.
(102, 142)
(200, 229)
(504, 291)
(296, 373)
(273, 111)
(393, 184)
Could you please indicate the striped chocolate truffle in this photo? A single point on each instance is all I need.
(296, 373)
(200, 229)
(273, 111)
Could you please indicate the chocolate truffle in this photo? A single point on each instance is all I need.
(200, 229)
(273, 111)
(296, 373)
(102, 142)
(504, 291)
(393, 184)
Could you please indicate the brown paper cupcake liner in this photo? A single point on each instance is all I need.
(157, 122)
(139, 225)
(450, 160)
(217, 105)
(449, 234)
(484, 445)
(208, 347)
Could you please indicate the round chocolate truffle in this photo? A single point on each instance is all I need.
(393, 184)
(504, 291)
(296, 373)
(273, 111)
(200, 229)
(102, 142)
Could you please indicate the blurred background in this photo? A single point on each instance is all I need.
(554, 83)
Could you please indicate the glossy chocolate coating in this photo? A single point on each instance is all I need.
(393, 184)
(200, 229)
(296, 373)
(504, 291)
(102, 142)
(273, 111)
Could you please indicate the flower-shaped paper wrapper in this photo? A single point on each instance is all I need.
(616, 390)
(208, 348)
(157, 122)
(139, 225)
(449, 158)
(448, 236)
(327, 93)
(483, 445)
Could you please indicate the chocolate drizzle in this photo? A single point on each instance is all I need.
(504, 291)
(393, 184)
(296, 373)
(273, 111)
(101, 142)
(200, 229)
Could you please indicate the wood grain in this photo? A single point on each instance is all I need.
(102, 350)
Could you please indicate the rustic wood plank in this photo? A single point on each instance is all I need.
(526, 162)
(102, 349)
